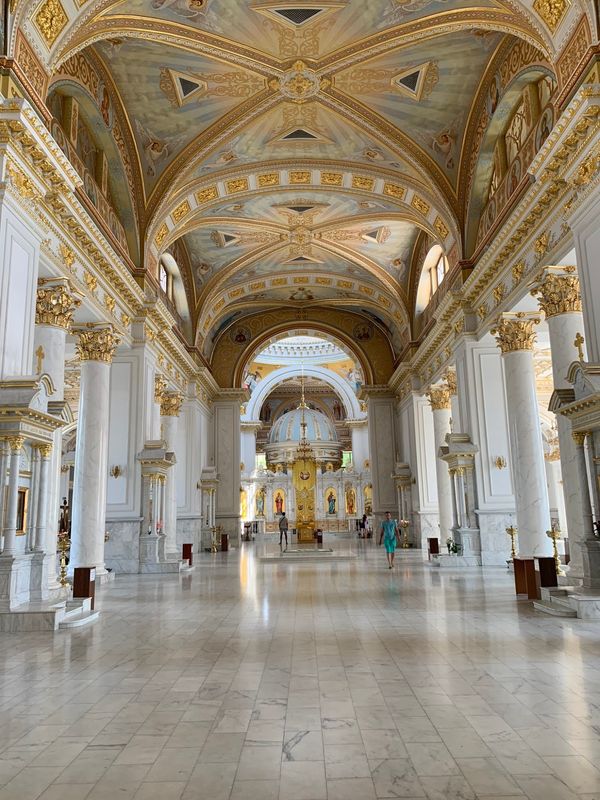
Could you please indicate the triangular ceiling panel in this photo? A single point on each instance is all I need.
(186, 87)
(411, 82)
(296, 14)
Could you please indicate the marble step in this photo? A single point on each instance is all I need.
(78, 618)
(554, 609)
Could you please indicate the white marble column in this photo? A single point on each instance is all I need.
(56, 302)
(4, 462)
(381, 415)
(34, 494)
(10, 528)
(227, 444)
(515, 337)
(170, 406)
(95, 348)
(45, 451)
(560, 300)
(439, 398)
(584, 485)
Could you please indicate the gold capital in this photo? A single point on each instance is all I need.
(16, 443)
(558, 294)
(45, 450)
(439, 397)
(170, 403)
(579, 437)
(515, 332)
(55, 304)
(97, 344)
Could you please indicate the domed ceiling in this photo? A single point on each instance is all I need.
(298, 153)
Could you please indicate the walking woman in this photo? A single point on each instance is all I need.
(390, 537)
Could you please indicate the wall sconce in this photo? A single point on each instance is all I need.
(500, 462)
(116, 471)
(65, 468)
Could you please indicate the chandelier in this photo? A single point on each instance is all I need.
(304, 451)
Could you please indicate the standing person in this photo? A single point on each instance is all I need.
(362, 527)
(390, 536)
(283, 529)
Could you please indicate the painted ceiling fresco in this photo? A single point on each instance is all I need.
(283, 141)
(337, 24)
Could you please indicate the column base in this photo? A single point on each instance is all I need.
(151, 546)
(41, 568)
(15, 580)
(590, 551)
(231, 526)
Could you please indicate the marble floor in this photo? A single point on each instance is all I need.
(343, 681)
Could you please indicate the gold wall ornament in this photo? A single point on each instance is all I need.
(332, 179)
(236, 185)
(558, 294)
(394, 190)
(441, 228)
(420, 205)
(439, 397)
(300, 176)
(67, 255)
(96, 344)
(170, 404)
(91, 281)
(499, 293)
(125, 319)
(482, 311)
(40, 355)
(180, 211)
(54, 305)
(206, 195)
(587, 170)
(542, 244)
(450, 378)
(161, 234)
(361, 182)
(109, 303)
(517, 272)
(500, 462)
(50, 20)
(515, 332)
(551, 11)
(268, 179)
(24, 185)
(578, 343)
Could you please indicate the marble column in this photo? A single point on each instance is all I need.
(45, 451)
(439, 399)
(515, 336)
(95, 349)
(10, 528)
(559, 298)
(170, 406)
(56, 302)
(4, 461)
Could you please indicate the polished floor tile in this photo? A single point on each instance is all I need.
(250, 681)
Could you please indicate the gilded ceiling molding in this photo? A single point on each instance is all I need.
(552, 12)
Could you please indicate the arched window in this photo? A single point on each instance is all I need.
(163, 278)
(435, 267)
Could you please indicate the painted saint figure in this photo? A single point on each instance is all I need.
(331, 503)
(260, 504)
(279, 503)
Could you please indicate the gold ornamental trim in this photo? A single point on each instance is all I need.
(551, 11)
(16, 443)
(45, 450)
(515, 332)
(439, 397)
(160, 386)
(55, 305)
(170, 404)
(558, 294)
(50, 20)
(96, 344)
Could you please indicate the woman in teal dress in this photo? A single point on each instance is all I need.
(389, 536)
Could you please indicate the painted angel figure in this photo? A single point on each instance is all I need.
(155, 149)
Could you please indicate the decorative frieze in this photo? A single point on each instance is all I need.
(160, 386)
(515, 332)
(558, 292)
(55, 304)
(96, 344)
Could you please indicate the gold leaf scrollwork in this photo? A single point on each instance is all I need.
(170, 404)
(558, 294)
(439, 397)
(55, 306)
(551, 11)
(50, 20)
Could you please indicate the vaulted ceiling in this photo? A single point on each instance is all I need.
(298, 153)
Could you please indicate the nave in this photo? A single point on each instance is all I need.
(243, 681)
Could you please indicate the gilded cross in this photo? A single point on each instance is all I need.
(579, 340)
(40, 358)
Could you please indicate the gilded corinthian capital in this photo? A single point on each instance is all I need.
(170, 403)
(558, 291)
(439, 397)
(515, 331)
(55, 303)
(96, 343)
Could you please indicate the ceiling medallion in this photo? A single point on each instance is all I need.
(300, 83)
